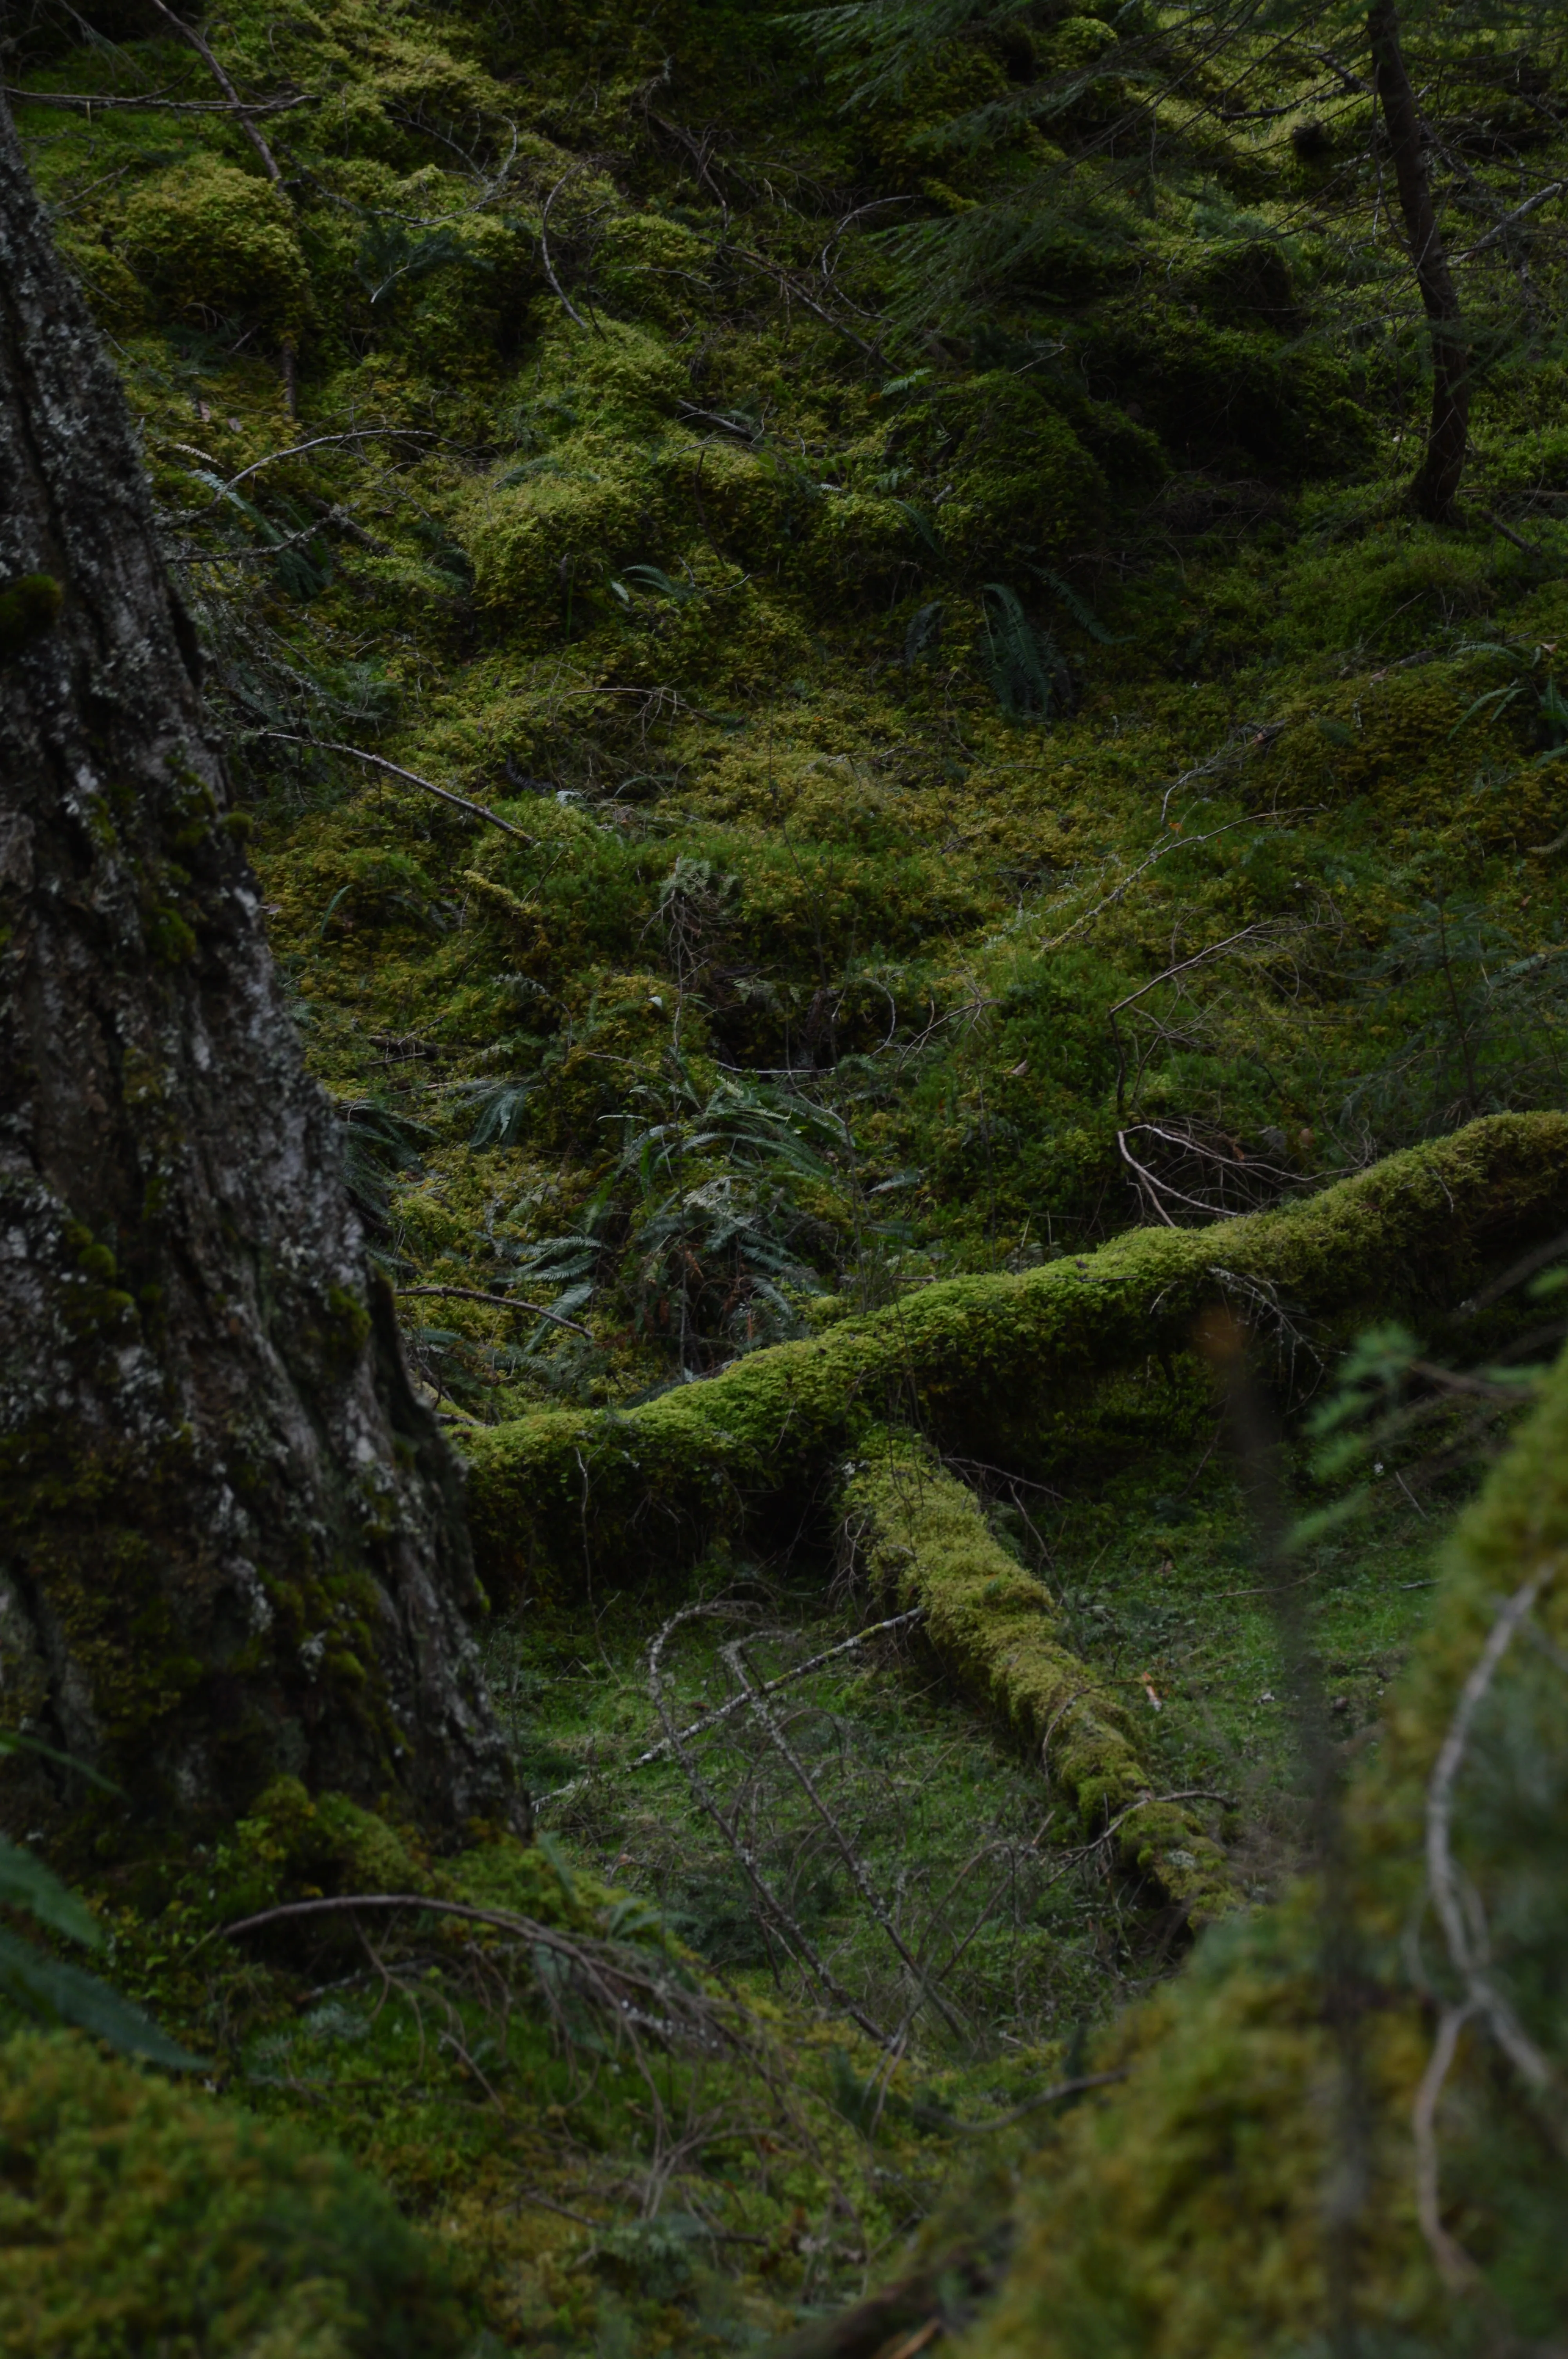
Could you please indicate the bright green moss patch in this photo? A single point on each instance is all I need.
(926, 1543)
(136, 2216)
(207, 237)
(1004, 1367)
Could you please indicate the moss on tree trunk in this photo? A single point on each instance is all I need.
(232, 1541)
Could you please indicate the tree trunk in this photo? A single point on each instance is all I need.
(1436, 484)
(231, 1541)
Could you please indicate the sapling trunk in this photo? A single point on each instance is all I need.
(1436, 485)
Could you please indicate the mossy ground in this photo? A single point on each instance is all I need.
(887, 703)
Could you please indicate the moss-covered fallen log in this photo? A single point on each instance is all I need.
(923, 1538)
(1005, 1368)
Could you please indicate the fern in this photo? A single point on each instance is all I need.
(1084, 617)
(923, 633)
(1026, 668)
(49, 1990)
(658, 583)
(873, 46)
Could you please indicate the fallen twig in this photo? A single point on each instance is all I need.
(380, 762)
(495, 1302)
(738, 1702)
(1033, 2104)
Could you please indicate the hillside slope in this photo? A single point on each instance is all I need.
(852, 745)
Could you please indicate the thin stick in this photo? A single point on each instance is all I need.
(294, 449)
(738, 1702)
(494, 1302)
(1553, 188)
(1197, 959)
(189, 33)
(332, 745)
(565, 299)
(267, 161)
(772, 1907)
(791, 286)
(1161, 851)
(859, 1875)
(85, 102)
(1146, 1802)
(1458, 2270)
(1441, 1876)
(1033, 2104)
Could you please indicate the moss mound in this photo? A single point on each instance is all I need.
(212, 243)
(135, 2217)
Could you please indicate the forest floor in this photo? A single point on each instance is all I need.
(951, 787)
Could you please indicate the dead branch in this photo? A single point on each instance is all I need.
(859, 1877)
(380, 762)
(1459, 2271)
(549, 269)
(738, 1702)
(244, 117)
(494, 1302)
(88, 102)
(1051, 2096)
(1183, 966)
(773, 1907)
(1443, 1875)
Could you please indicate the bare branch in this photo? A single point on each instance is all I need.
(494, 1302)
(859, 1877)
(380, 762)
(572, 312)
(773, 1907)
(739, 1703)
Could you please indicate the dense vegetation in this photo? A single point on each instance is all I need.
(841, 701)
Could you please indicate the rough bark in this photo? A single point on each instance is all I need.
(1436, 485)
(231, 1541)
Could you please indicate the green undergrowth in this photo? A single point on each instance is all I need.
(995, 780)
(880, 712)
(572, 2173)
(138, 2217)
(1265, 2179)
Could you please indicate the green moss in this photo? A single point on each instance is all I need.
(208, 238)
(654, 267)
(923, 1540)
(1003, 1367)
(137, 2217)
(1026, 485)
(1185, 2215)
